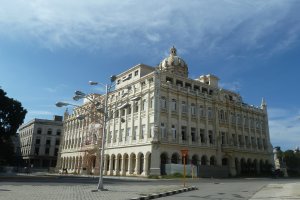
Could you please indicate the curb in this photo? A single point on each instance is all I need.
(163, 194)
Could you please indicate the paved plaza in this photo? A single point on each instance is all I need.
(73, 188)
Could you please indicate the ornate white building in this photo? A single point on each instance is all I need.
(174, 112)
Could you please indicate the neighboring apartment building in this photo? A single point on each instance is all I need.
(39, 142)
(174, 112)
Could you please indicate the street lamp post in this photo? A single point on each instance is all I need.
(100, 182)
(106, 118)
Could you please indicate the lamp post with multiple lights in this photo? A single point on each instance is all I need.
(102, 108)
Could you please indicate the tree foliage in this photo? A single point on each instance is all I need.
(12, 115)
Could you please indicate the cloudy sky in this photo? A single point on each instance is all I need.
(49, 49)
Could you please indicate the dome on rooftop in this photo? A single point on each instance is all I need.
(174, 64)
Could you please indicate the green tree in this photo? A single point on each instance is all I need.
(292, 160)
(12, 115)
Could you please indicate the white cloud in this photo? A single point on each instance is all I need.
(233, 86)
(284, 127)
(217, 27)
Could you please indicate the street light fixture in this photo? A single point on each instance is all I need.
(62, 104)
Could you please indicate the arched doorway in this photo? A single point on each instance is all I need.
(225, 162)
(204, 160)
(163, 162)
(195, 159)
(175, 158)
(212, 161)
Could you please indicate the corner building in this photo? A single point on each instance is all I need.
(175, 112)
(39, 142)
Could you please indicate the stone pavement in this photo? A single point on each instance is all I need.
(80, 192)
(42, 191)
(279, 191)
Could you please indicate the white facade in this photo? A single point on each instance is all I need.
(175, 113)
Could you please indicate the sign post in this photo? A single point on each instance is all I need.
(184, 153)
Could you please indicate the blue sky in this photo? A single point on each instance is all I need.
(49, 49)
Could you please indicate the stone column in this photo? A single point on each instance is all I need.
(111, 160)
(130, 167)
(137, 165)
(145, 167)
(155, 160)
(232, 169)
(105, 165)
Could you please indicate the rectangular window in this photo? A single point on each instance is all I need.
(47, 150)
(210, 137)
(183, 133)
(36, 151)
(174, 132)
(48, 142)
(135, 131)
(38, 141)
(193, 109)
(184, 107)
(109, 137)
(209, 113)
(201, 110)
(163, 130)
(115, 135)
(193, 134)
(151, 133)
(57, 142)
(136, 107)
(234, 139)
(143, 132)
(240, 140)
(163, 103)
(144, 104)
(136, 73)
(151, 102)
(169, 80)
(173, 105)
(202, 135)
(127, 134)
(56, 152)
(223, 137)
(121, 135)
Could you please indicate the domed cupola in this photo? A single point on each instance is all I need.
(174, 64)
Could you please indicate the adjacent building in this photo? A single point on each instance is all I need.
(39, 142)
(167, 112)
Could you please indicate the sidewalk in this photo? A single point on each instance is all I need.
(279, 191)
